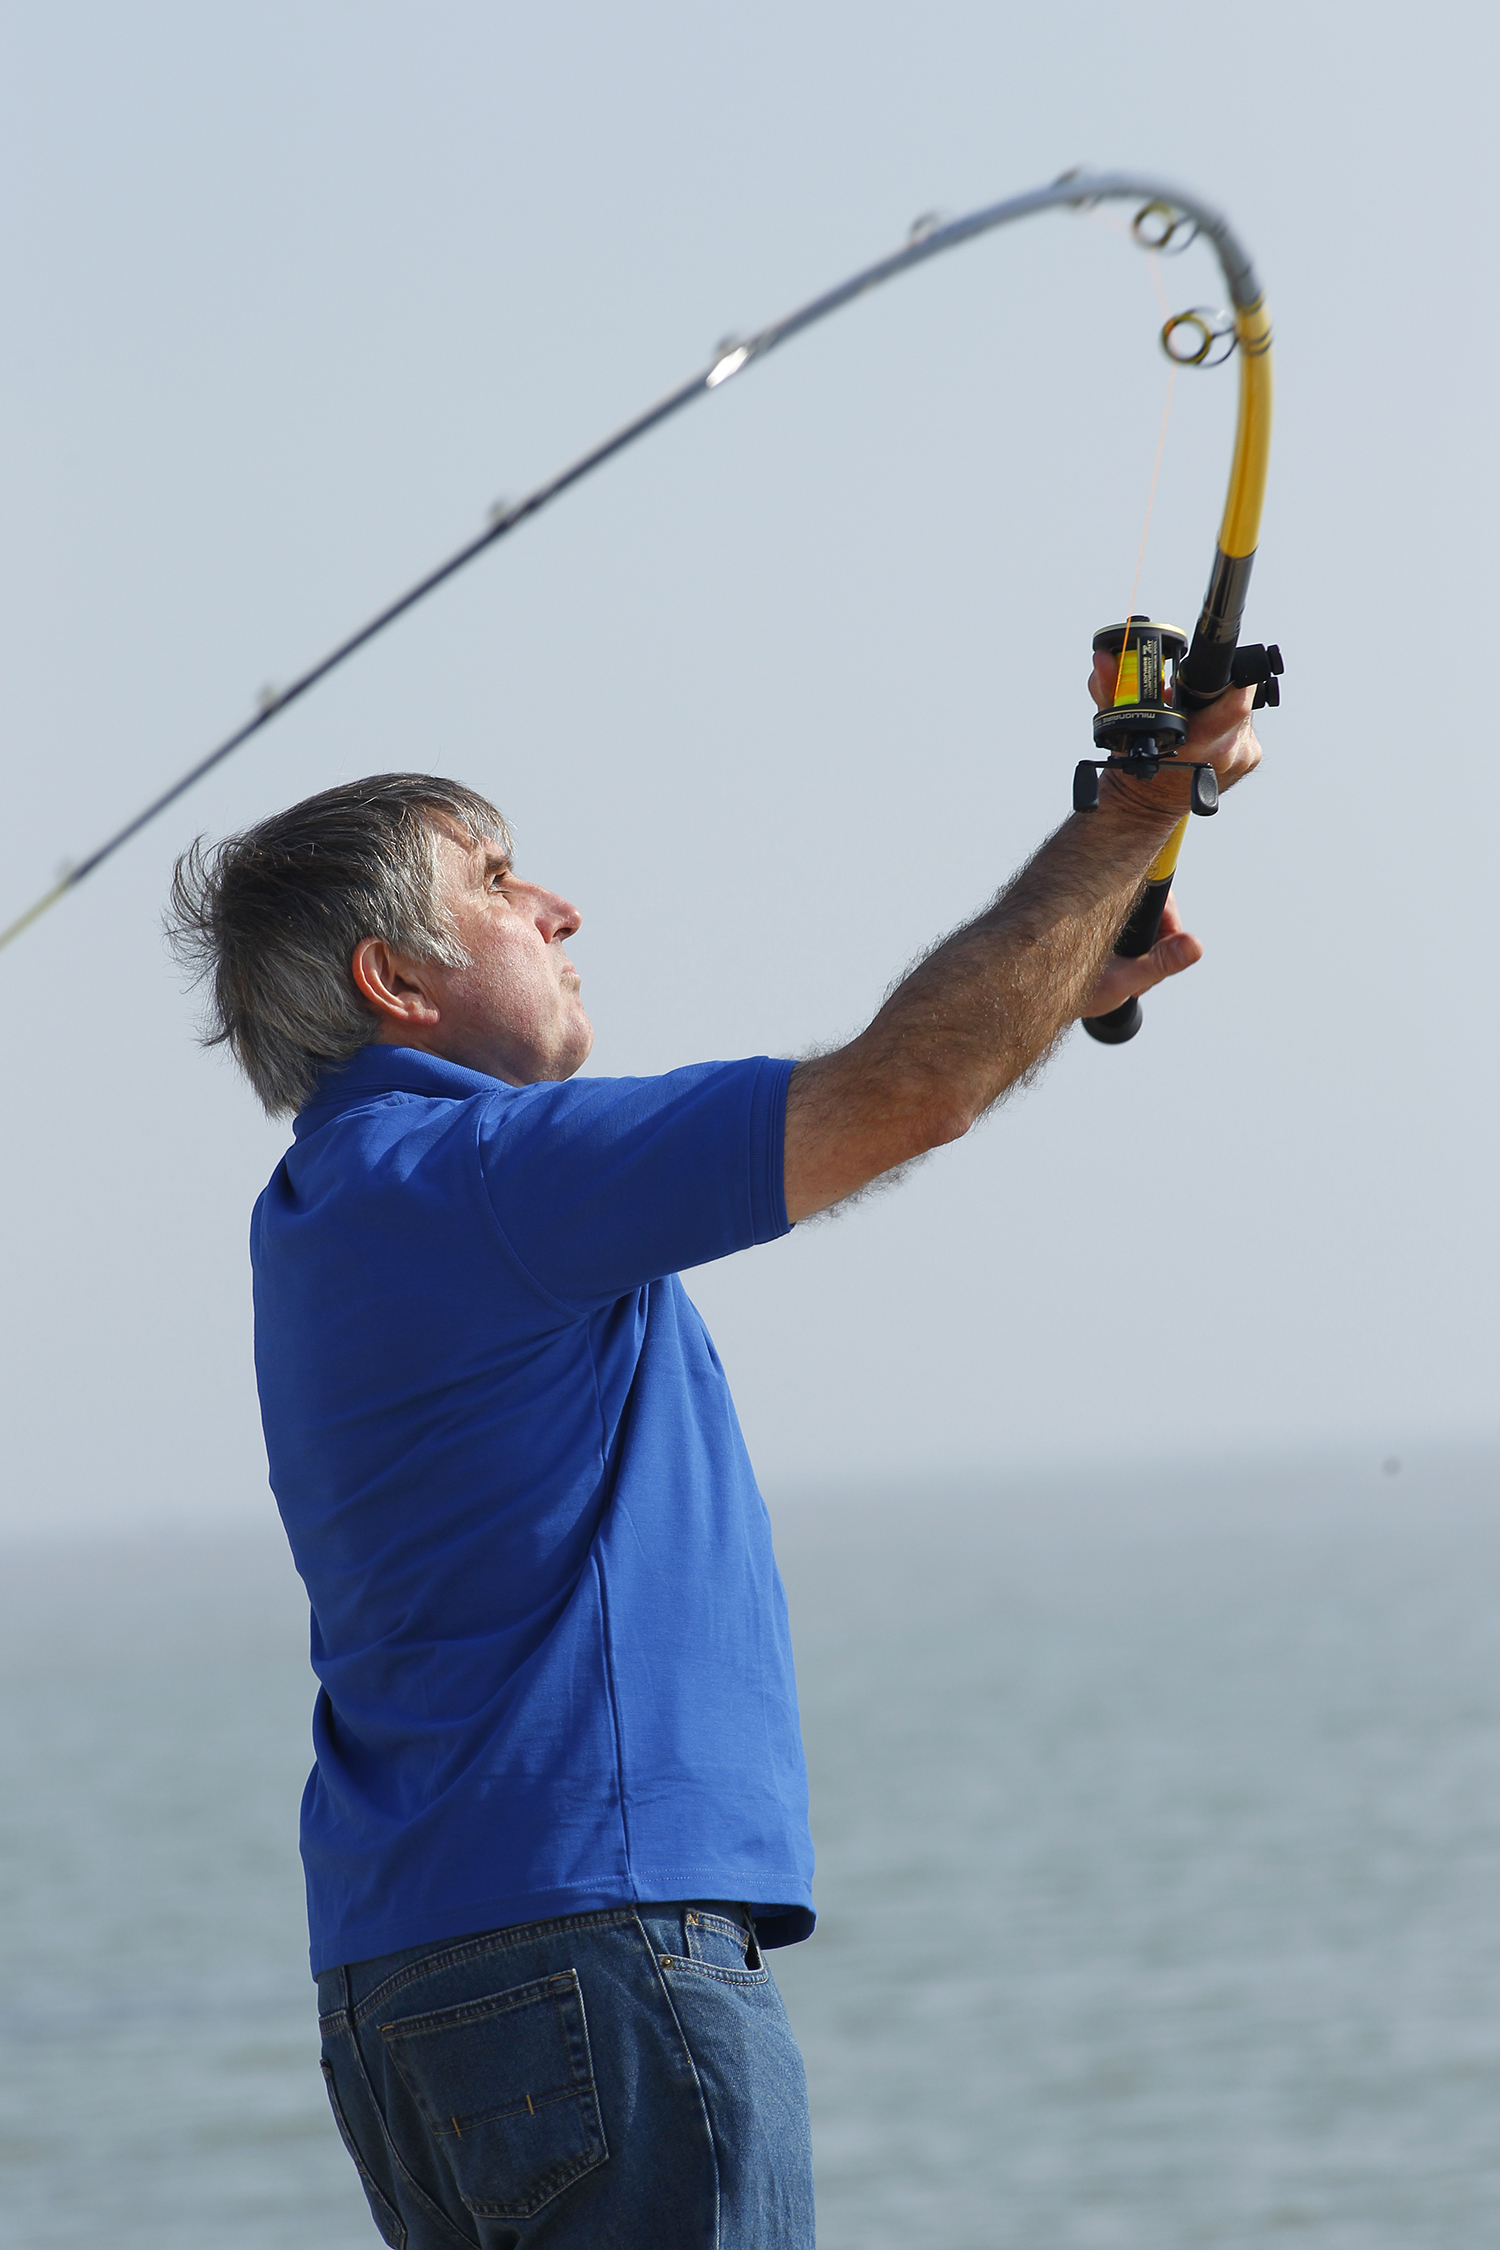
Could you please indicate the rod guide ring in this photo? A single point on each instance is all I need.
(1157, 225)
(1210, 328)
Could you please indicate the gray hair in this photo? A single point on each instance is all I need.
(268, 920)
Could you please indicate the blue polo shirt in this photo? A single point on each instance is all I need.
(546, 1619)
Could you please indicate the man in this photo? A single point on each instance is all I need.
(559, 1809)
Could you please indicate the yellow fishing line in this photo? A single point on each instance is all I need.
(1119, 226)
(1140, 553)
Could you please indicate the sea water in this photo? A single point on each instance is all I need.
(1158, 1824)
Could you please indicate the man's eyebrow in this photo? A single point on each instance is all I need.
(497, 863)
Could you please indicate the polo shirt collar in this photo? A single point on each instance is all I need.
(378, 1069)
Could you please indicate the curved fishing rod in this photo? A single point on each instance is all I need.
(1136, 743)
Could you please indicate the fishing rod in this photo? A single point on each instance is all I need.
(1159, 676)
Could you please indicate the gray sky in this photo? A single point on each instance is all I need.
(291, 294)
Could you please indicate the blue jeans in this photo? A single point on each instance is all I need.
(625, 2080)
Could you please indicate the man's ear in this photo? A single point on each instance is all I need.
(397, 988)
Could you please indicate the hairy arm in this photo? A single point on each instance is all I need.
(982, 1009)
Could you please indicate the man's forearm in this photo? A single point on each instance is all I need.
(976, 1014)
(988, 1002)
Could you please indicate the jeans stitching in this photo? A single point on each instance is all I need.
(563, 1984)
(719, 1922)
(432, 2209)
(565, 1992)
(709, 1969)
(464, 1950)
(493, 1941)
(692, 2061)
(374, 2194)
(574, 2026)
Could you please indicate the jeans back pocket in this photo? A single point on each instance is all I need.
(506, 2087)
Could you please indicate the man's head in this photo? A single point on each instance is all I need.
(386, 910)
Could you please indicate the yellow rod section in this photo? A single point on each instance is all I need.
(1240, 529)
(1164, 866)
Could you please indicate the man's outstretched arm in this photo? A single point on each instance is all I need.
(986, 1004)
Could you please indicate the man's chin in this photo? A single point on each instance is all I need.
(579, 1047)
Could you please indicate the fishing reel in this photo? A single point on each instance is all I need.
(1140, 733)
(1143, 729)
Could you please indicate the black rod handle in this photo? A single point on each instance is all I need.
(1138, 936)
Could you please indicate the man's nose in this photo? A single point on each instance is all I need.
(556, 917)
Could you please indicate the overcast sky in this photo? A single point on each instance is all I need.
(291, 294)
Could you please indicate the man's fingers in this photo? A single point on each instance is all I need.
(1222, 733)
(1171, 955)
(1175, 950)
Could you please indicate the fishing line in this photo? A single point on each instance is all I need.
(1164, 214)
(1161, 439)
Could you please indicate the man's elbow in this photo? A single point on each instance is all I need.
(938, 1120)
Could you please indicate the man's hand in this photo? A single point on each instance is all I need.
(1176, 949)
(1224, 735)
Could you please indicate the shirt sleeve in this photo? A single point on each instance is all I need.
(603, 1184)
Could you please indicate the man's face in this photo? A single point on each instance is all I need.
(514, 1010)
